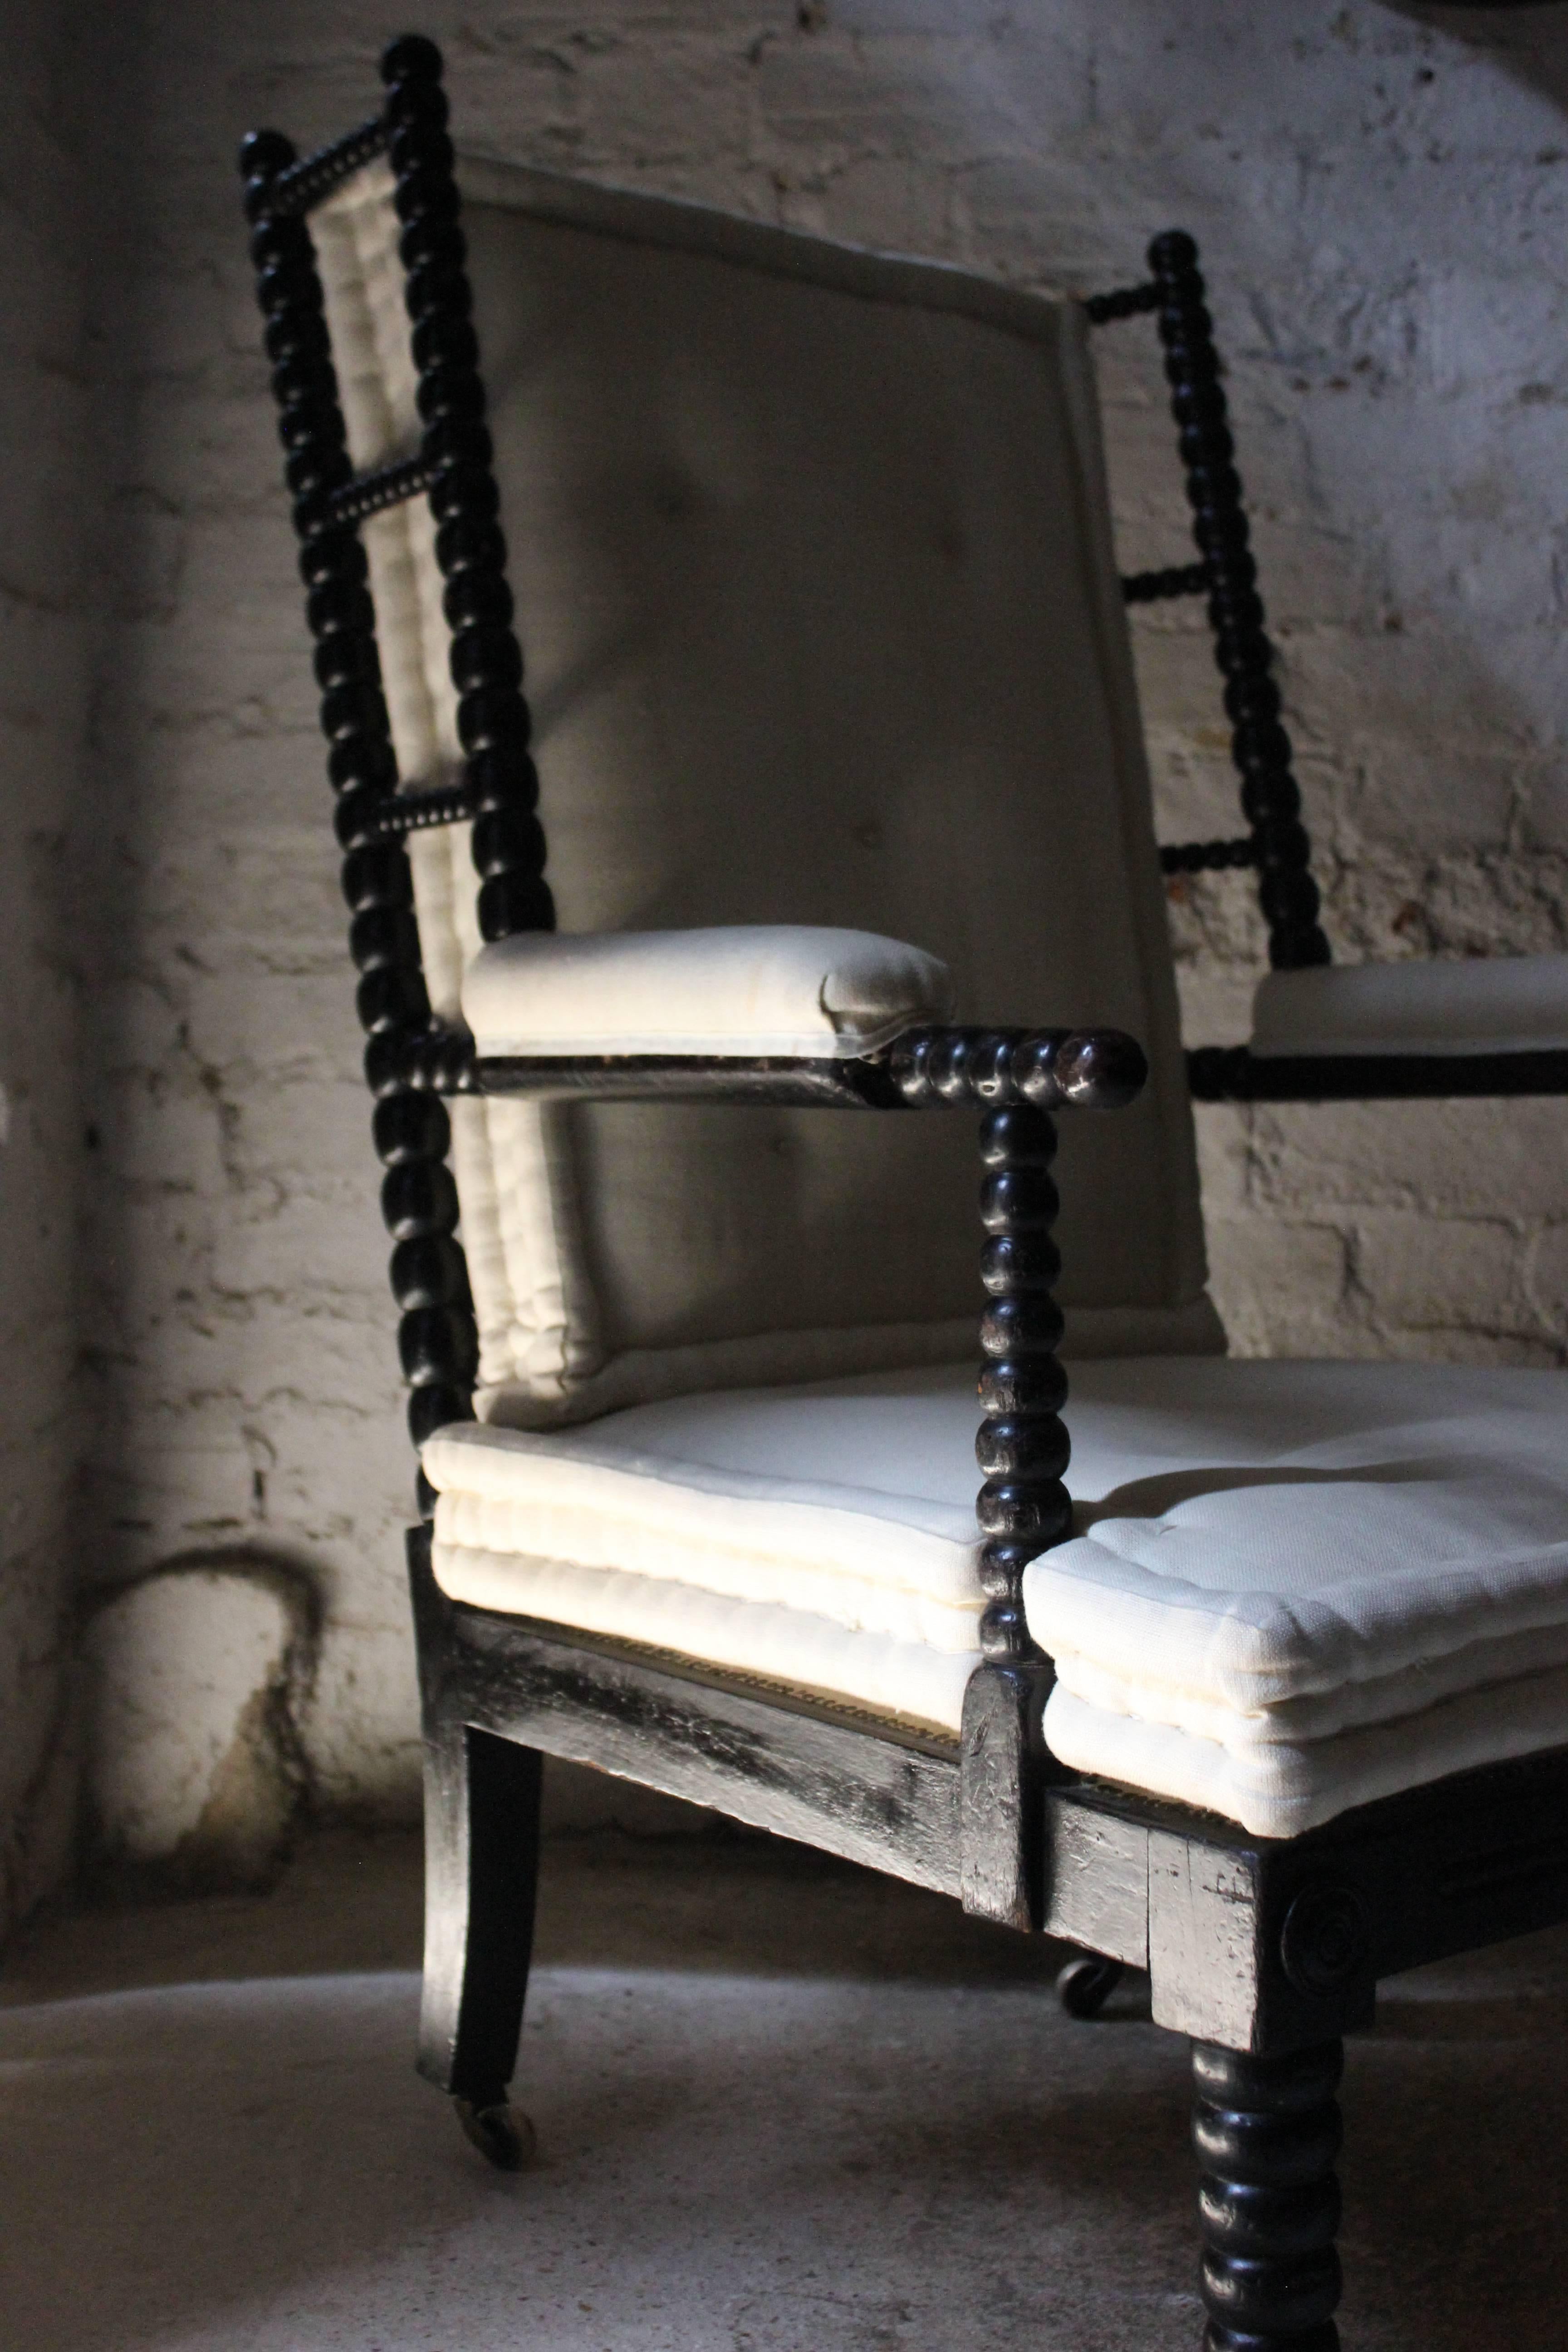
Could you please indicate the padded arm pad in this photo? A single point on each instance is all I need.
(749, 990)
(1488, 1004)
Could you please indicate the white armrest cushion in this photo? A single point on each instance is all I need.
(749, 989)
(1483, 1004)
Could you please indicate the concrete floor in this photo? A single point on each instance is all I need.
(783, 2106)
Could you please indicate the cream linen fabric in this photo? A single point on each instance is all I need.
(817, 592)
(1295, 1586)
(758, 988)
(1495, 1004)
(531, 1298)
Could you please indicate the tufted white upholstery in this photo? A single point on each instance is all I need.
(816, 589)
(1295, 1586)
(1492, 1004)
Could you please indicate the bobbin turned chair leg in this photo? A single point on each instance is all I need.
(482, 1868)
(1267, 2132)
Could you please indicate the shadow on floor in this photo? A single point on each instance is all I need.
(783, 2106)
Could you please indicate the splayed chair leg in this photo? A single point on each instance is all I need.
(481, 1867)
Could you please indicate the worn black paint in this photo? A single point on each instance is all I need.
(1233, 1073)
(1051, 1069)
(1266, 2132)
(384, 937)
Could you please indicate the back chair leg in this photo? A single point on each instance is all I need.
(481, 1870)
(1266, 2131)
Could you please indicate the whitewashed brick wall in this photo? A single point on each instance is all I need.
(44, 482)
(1380, 203)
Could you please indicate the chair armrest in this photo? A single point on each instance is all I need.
(1235, 1074)
(1438, 1027)
(926, 1068)
(762, 1013)
(1457, 1006)
(756, 992)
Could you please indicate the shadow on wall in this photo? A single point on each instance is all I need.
(1396, 329)
(1528, 37)
(196, 1675)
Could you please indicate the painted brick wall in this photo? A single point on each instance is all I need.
(43, 495)
(1380, 194)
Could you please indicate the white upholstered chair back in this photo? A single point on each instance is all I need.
(815, 585)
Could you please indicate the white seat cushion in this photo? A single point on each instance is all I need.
(1480, 1004)
(823, 1537)
(753, 989)
(1304, 1586)
(1295, 1586)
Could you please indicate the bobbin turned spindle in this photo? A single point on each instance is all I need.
(1259, 744)
(1267, 2132)
(437, 1343)
(1022, 1447)
(493, 722)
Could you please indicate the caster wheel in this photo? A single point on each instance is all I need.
(1085, 1984)
(501, 2133)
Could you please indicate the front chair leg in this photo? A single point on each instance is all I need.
(1266, 2131)
(481, 1867)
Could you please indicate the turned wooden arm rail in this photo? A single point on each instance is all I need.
(1046, 1069)
(1234, 1073)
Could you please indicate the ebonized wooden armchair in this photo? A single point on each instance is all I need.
(812, 553)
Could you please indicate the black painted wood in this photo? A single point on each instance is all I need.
(1022, 1507)
(850, 1782)
(1004, 1769)
(1259, 745)
(1233, 1073)
(926, 1070)
(1207, 857)
(422, 812)
(439, 1351)
(1122, 303)
(1260, 748)
(482, 1868)
(1267, 2132)
(439, 1059)
(300, 186)
(1273, 1943)
(1175, 580)
(388, 486)
(1086, 1982)
(493, 722)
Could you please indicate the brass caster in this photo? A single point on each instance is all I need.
(1086, 1983)
(501, 2133)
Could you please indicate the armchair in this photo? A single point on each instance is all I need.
(813, 554)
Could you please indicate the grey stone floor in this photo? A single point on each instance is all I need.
(783, 2106)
